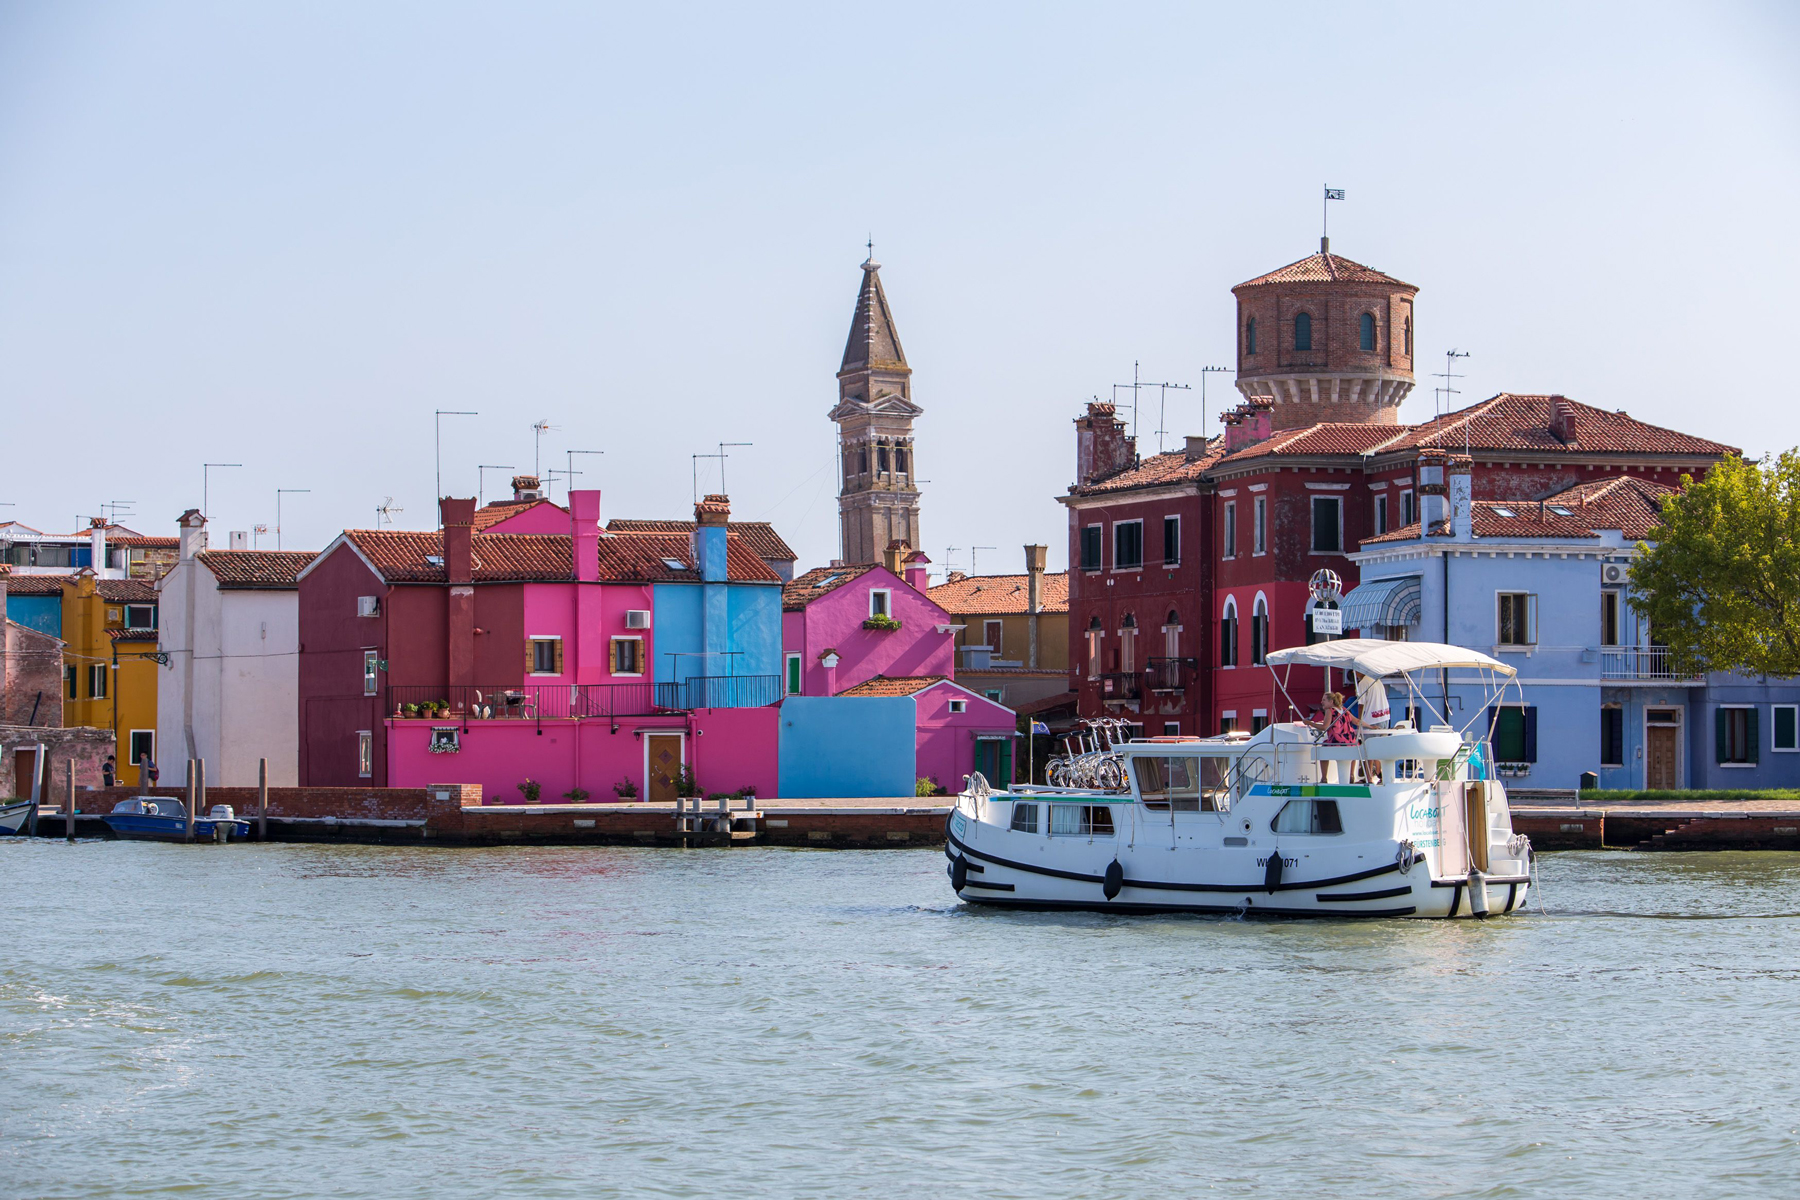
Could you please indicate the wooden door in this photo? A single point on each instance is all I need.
(24, 763)
(663, 752)
(1659, 757)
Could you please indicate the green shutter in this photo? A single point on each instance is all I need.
(1718, 735)
(793, 674)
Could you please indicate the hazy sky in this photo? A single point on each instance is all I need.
(283, 235)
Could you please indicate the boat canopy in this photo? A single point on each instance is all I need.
(1372, 656)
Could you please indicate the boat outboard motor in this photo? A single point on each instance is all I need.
(1272, 873)
(1115, 879)
(1478, 898)
(959, 872)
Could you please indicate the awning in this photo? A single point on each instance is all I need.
(1380, 659)
(1382, 602)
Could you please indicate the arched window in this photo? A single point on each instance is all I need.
(1259, 633)
(1228, 654)
(1174, 618)
(1366, 332)
(1303, 331)
(1250, 337)
(1409, 337)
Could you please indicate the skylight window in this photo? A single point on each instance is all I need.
(675, 564)
(1560, 511)
(435, 560)
(1505, 512)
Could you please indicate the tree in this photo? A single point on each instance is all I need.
(1719, 579)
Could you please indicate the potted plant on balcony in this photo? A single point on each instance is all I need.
(411, 710)
(531, 789)
(576, 795)
(625, 790)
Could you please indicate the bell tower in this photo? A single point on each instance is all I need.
(878, 501)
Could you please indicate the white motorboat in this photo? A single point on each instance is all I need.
(1404, 822)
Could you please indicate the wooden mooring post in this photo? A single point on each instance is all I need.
(190, 802)
(69, 805)
(40, 778)
(262, 800)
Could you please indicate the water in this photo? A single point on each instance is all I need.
(265, 1021)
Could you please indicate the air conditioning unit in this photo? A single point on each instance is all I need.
(1613, 573)
(637, 618)
(368, 606)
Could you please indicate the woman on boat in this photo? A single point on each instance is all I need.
(1340, 726)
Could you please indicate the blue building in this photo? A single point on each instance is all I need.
(718, 641)
(1544, 586)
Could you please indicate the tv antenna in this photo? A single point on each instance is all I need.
(975, 558)
(572, 471)
(385, 511)
(949, 555)
(119, 508)
(722, 455)
(1449, 375)
(279, 493)
(538, 430)
(205, 482)
(257, 532)
(481, 471)
(1136, 385)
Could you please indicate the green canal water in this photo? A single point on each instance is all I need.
(264, 1021)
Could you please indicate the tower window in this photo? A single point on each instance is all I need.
(862, 460)
(900, 459)
(1303, 331)
(1250, 337)
(881, 459)
(1366, 332)
(1409, 337)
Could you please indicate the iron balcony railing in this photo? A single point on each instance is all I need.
(527, 702)
(1122, 685)
(1168, 674)
(1619, 663)
(720, 691)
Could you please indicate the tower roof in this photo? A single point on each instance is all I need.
(1325, 268)
(873, 341)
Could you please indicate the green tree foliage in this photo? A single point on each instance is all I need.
(1720, 578)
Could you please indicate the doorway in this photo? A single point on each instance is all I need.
(662, 764)
(24, 763)
(1662, 749)
(993, 758)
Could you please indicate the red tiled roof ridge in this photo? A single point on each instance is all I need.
(257, 568)
(893, 685)
(1324, 267)
(981, 594)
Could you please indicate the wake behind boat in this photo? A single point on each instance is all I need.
(1401, 822)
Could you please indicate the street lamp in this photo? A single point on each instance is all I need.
(438, 423)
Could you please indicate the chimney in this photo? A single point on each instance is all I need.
(526, 487)
(1433, 492)
(712, 518)
(894, 556)
(459, 528)
(1036, 559)
(584, 512)
(1462, 498)
(918, 571)
(1562, 421)
(1251, 422)
(1101, 445)
(1196, 446)
(97, 543)
(193, 532)
(239, 539)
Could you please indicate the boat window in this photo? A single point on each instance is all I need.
(1169, 782)
(1215, 784)
(1081, 820)
(1308, 816)
(1024, 818)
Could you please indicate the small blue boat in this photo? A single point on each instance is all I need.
(162, 819)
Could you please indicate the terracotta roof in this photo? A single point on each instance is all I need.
(126, 591)
(1521, 422)
(815, 583)
(1325, 268)
(132, 635)
(1330, 437)
(1506, 520)
(492, 514)
(1173, 466)
(893, 685)
(1628, 504)
(146, 543)
(760, 536)
(401, 556)
(256, 569)
(36, 585)
(981, 594)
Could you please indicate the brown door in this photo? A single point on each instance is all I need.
(664, 751)
(1659, 757)
(24, 763)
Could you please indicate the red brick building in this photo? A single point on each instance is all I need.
(1187, 568)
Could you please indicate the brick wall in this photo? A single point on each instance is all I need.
(434, 804)
(86, 748)
(31, 684)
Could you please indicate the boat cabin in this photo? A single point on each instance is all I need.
(151, 806)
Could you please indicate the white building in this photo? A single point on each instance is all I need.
(230, 690)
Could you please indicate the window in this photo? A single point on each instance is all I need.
(1250, 337)
(1609, 618)
(1227, 723)
(1259, 635)
(1171, 541)
(1259, 721)
(1408, 327)
(1128, 644)
(1381, 515)
(1734, 736)
(371, 666)
(959, 706)
(1090, 548)
(445, 739)
(881, 458)
(1517, 621)
(543, 656)
(1327, 530)
(69, 681)
(143, 745)
(1094, 634)
(1365, 332)
(997, 695)
(1024, 818)
(1228, 636)
(626, 655)
(792, 672)
(365, 753)
(1128, 545)
(1513, 730)
(1786, 717)
(140, 616)
(881, 602)
(1171, 728)
(1303, 331)
(1408, 513)
(993, 632)
(1169, 783)
(862, 461)
(1259, 525)
(1612, 736)
(97, 681)
(1308, 816)
(1081, 820)
(1230, 538)
(900, 456)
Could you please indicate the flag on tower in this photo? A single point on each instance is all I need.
(1332, 193)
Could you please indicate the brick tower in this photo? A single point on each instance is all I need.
(878, 501)
(1326, 339)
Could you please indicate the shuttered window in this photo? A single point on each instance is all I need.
(1734, 736)
(626, 656)
(1512, 728)
(1090, 548)
(1612, 737)
(544, 656)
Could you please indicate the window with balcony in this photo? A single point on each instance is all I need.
(1609, 618)
(1128, 545)
(1516, 619)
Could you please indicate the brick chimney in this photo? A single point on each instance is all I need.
(1562, 421)
(193, 532)
(1037, 558)
(712, 518)
(459, 527)
(1434, 492)
(526, 487)
(1102, 447)
(584, 512)
(459, 555)
(918, 570)
(1248, 423)
(893, 557)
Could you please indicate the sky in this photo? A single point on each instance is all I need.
(283, 236)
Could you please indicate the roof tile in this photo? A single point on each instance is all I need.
(817, 582)
(893, 685)
(257, 569)
(402, 556)
(1324, 268)
(760, 536)
(976, 595)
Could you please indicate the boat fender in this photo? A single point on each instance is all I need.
(1115, 879)
(1272, 872)
(959, 873)
(1478, 897)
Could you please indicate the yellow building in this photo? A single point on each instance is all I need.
(109, 663)
(1014, 644)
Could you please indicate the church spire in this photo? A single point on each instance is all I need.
(878, 493)
(873, 343)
